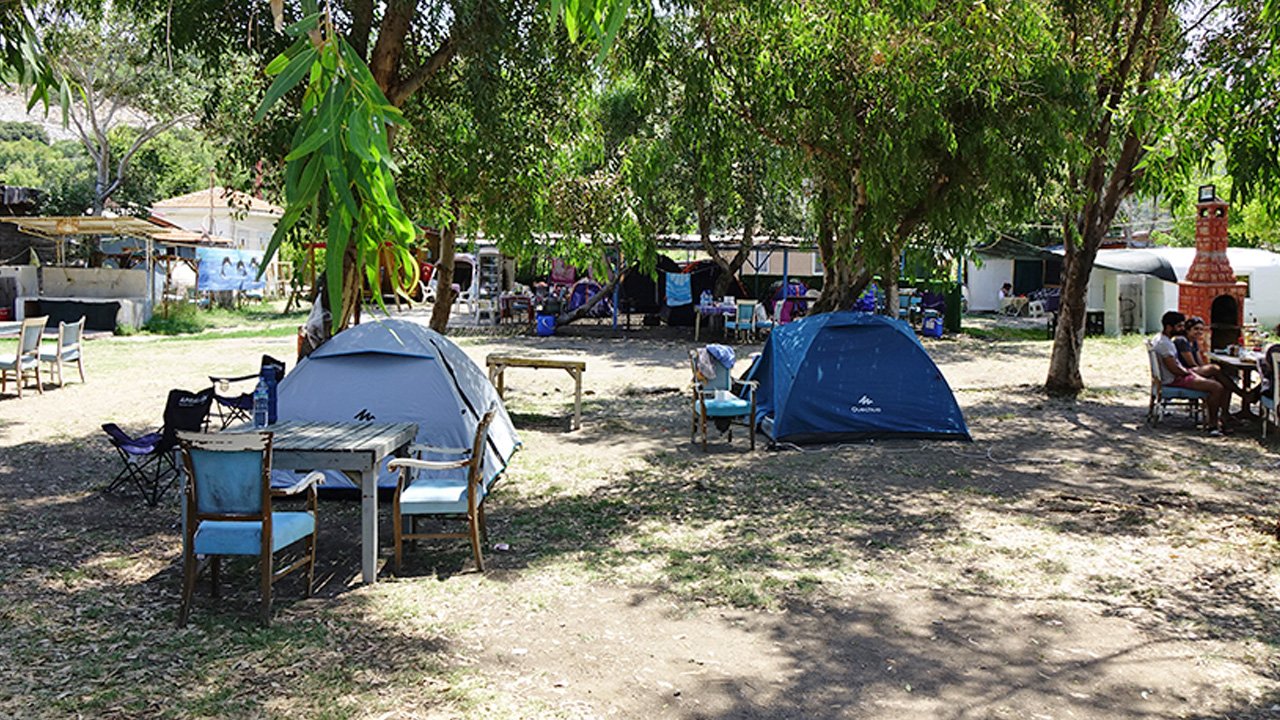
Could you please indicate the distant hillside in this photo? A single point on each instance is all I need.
(14, 108)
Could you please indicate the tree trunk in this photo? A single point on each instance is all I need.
(891, 293)
(843, 281)
(1103, 191)
(444, 279)
(566, 317)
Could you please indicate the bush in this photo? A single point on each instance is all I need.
(181, 319)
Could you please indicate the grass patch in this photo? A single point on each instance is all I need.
(257, 320)
(176, 319)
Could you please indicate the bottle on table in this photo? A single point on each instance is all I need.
(261, 403)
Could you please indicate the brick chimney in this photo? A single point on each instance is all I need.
(1210, 289)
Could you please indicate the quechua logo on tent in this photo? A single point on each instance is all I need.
(865, 405)
(364, 415)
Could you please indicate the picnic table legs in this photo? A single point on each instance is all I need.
(496, 373)
(369, 525)
(697, 324)
(577, 399)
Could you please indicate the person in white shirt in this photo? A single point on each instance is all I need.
(1174, 374)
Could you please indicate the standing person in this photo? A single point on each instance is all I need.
(1174, 374)
(1191, 356)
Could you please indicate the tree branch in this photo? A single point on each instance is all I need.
(406, 88)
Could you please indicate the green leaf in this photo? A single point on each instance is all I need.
(304, 25)
(321, 135)
(309, 184)
(358, 133)
(292, 75)
(278, 63)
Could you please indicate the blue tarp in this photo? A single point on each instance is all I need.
(848, 376)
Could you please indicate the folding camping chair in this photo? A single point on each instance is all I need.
(148, 460)
(231, 409)
(228, 512)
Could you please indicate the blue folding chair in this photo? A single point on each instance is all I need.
(238, 408)
(228, 512)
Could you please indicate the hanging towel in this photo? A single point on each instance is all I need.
(706, 365)
(679, 291)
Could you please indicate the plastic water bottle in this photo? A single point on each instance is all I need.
(261, 403)
(273, 393)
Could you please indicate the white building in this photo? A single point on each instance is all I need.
(1125, 285)
(217, 211)
(246, 221)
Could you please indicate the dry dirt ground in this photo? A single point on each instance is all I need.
(1069, 563)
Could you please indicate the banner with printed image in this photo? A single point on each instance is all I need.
(222, 269)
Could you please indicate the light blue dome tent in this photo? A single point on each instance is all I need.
(851, 376)
(399, 371)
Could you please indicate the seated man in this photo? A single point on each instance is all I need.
(1011, 304)
(1174, 374)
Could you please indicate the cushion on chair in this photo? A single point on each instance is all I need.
(8, 361)
(732, 407)
(244, 537)
(1176, 393)
(67, 355)
(435, 496)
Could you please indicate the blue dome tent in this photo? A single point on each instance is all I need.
(849, 376)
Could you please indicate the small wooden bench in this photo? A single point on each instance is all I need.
(498, 365)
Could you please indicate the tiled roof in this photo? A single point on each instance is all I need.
(222, 198)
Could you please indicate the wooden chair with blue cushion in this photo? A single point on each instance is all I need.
(1163, 396)
(228, 512)
(26, 362)
(743, 323)
(722, 400)
(67, 351)
(452, 488)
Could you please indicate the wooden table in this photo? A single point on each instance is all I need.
(1245, 365)
(498, 365)
(356, 449)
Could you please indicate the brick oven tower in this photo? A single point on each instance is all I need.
(1210, 289)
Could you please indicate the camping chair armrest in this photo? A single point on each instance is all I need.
(217, 379)
(427, 464)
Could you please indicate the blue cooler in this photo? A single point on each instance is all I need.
(546, 325)
(932, 325)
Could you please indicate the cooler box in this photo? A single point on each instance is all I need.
(932, 326)
(546, 325)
